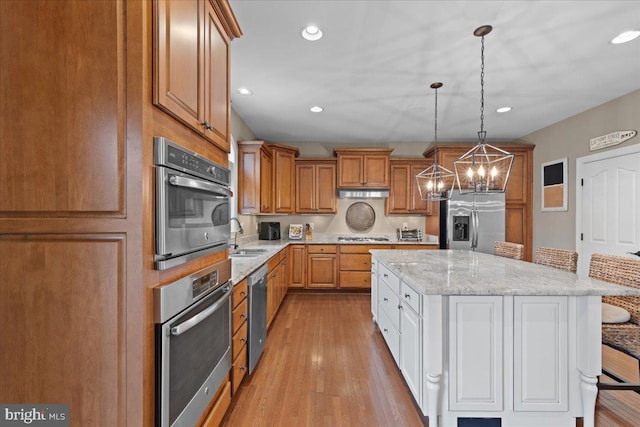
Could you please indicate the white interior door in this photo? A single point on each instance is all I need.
(608, 204)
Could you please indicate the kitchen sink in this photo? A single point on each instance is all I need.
(247, 252)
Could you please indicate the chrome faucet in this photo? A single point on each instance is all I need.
(241, 231)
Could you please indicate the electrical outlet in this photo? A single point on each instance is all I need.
(311, 226)
(405, 225)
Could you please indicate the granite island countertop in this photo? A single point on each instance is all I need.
(459, 272)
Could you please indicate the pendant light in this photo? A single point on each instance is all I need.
(484, 169)
(435, 182)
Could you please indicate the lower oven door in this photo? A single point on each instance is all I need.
(191, 213)
(193, 358)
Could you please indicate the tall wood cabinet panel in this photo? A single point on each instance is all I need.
(191, 65)
(518, 195)
(64, 325)
(363, 167)
(62, 132)
(316, 186)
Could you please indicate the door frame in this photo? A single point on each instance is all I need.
(580, 163)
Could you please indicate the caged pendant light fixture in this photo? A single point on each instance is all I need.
(435, 182)
(484, 169)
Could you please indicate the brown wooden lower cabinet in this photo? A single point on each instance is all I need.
(277, 282)
(239, 339)
(298, 263)
(221, 402)
(322, 266)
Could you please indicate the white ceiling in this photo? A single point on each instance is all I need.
(371, 71)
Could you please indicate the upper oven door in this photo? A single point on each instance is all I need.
(191, 213)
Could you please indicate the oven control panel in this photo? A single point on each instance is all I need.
(170, 154)
(203, 283)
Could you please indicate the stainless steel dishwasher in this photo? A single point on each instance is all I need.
(257, 315)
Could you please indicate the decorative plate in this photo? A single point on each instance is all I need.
(360, 216)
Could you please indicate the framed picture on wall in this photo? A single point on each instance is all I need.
(555, 188)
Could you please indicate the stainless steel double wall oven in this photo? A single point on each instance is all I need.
(192, 205)
(193, 343)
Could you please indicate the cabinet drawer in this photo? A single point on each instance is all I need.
(355, 262)
(239, 315)
(239, 292)
(321, 249)
(355, 279)
(389, 278)
(411, 297)
(214, 418)
(239, 340)
(239, 369)
(391, 336)
(389, 302)
(360, 249)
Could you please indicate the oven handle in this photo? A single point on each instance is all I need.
(198, 184)
(188, 324)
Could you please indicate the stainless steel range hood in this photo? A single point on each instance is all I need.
(363, 193)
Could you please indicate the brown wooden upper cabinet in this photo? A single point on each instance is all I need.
(266, 178)
(316, 186)
(363, 167)
(284, 175)
(404, 197)
(519, 192)
(191, 64)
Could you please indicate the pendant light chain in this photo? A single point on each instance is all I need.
(482, 89)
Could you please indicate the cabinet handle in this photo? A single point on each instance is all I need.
(407, 296)
(207, 125)
(386, 330)
(399, 307)
(243, 316)
(244, 340)
(385, 275)
(386, 299)
(243, 293)
(242, 368)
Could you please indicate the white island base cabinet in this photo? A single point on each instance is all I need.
(528, 361)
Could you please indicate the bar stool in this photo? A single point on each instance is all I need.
(562, 259)
(509, 250)
(624, 337)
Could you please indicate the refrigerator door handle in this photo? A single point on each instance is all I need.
(476, 224)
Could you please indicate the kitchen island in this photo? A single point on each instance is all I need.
(496, 340)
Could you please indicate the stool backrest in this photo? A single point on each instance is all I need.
(562, 259)
(622, 271)
(509, 250)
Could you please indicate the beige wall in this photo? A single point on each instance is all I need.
(570, 138)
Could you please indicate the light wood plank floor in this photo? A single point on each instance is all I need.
(326, 364)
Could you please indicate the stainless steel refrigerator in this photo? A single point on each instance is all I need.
(472, 222)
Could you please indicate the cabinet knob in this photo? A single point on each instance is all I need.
(407, 296)
(386, 299)
(242, 368)
(207, 125)
(243, 339)
(385, 275)
(399, 307)
(243, 293)
(386, 330)
(243, 316)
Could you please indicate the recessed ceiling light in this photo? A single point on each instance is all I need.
(312, 33)
(316, 109)
(503, 109)
(627, 36)
(244, 91)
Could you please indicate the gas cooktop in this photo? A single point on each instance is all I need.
(363, 239)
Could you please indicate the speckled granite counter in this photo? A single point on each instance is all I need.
(446, 272)
(242, 267)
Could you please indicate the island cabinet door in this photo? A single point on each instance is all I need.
(476, 353)
(540, 353)
(411, 349)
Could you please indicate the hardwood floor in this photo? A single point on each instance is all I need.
(325, 364)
